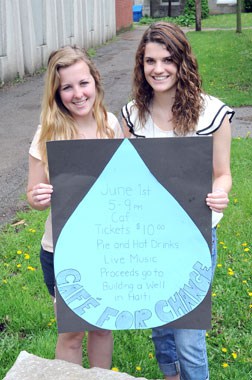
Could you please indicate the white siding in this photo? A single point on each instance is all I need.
(31, 29)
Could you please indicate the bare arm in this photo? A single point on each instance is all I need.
(222, 180)
(38, 190)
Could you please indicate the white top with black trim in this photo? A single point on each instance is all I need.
(210, 119)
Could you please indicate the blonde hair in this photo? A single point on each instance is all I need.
(57, 122)
(188, 100)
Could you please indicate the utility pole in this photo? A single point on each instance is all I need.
(198, 15)
(238, 17)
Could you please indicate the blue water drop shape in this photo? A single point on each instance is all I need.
(129, 256)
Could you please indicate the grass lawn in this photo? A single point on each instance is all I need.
(225, 69)
(227, 21)
(26, 314)
(224, 21)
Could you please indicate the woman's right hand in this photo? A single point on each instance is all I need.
(41, 195)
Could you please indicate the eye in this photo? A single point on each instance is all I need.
(84, 83)
(66, 88)
(149, 61)
(168, 60)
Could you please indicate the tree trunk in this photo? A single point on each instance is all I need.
(169, 8)
(198, 15)
(151, 8)
(238, 17)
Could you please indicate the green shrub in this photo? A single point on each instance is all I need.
(185, 20)
(189, 10)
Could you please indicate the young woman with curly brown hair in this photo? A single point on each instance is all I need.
(168, 101)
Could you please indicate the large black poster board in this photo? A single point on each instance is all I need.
(132, 232)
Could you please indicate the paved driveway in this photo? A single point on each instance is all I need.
(20, 109)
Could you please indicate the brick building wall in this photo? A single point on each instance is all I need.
(124, 14)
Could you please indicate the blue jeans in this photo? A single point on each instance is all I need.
(184, 351)
(46, 260)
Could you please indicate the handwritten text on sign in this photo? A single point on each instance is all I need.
(137, 259)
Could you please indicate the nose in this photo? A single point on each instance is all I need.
(159, 67)
(78, 92)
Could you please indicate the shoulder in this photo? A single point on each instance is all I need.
(212, 115)
(129, 110)
(34, 149)
(131, 118)
(112, 119)
(115, 125)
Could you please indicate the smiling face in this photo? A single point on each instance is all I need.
(77, 89)
(159, 69)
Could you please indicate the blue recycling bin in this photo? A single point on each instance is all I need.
(137, 12)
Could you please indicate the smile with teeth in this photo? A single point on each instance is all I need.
(80, 103)
(160, 77)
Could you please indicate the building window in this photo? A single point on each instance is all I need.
(165, 2)
(226, 2)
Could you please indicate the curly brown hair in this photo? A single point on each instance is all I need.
(188, 101)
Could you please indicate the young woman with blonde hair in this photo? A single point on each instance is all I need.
(72, 108)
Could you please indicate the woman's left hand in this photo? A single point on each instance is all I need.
(217, 200)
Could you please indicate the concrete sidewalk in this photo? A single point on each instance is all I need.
(20, 109)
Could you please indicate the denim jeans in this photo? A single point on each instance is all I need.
(182, 350)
